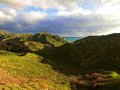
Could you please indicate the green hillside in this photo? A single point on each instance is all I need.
(93, 52)
(28, 73)
(44, 38)
(47, 38)
(47, 62)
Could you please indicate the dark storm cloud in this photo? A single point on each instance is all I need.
(64, 26)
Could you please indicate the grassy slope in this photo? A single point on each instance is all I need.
(28, 73)
(44, 38)
(47, 38)
(88, 55)
(91, 53)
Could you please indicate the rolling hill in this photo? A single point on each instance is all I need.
(47, 62)
(92, 52)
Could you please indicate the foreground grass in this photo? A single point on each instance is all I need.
(28, 73)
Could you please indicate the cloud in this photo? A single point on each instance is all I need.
(32, 16)
(44, 4)
(7, 15)
(66, 26)
(75, 12)
(109, 7)
(58, 4)
(9, 11)
(16, 3)
(71, 18)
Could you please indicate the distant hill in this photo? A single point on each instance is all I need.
(47, 38)
(3, 32)
(30, 42)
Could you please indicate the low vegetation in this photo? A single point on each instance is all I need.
(47, 62)
(27, 72)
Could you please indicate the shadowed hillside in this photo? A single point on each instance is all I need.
(93, 52)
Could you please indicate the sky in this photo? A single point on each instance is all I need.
(67, 18)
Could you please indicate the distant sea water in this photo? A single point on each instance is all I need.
(72, 39)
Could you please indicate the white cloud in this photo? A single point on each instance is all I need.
(58, 4)
(32, 16)
(95, 16)
(9, 11)
(113, 30)
(4, 18)
(75, 12)
(16, 3)
(109, 8)
(7, 15)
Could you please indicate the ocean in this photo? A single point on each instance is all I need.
(71, 39)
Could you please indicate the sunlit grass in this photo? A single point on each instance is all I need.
(29, 66)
